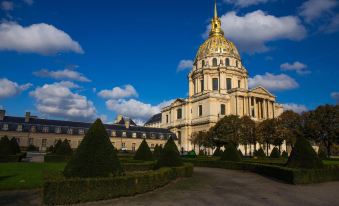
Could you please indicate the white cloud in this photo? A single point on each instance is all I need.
(29, 2)
(66, 74)
(335, 96)
(273, 82)
(119, 93)
(297, 66)
(37, 38)
(7, 5)
(58, 100)
(298, 108)
(333, 26)
(9, 88)
(185, 64)
(138, 111)
(245, 3)
(252, 31)
(314, 9)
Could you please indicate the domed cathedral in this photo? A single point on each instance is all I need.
(218, 86)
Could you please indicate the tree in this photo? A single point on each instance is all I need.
(322, 125)
(170, 156)
(64, 148)
(260, 153)
(284, 154)
(95, 156)
(322, 152)
(231, 153)
(14, 146)
(218, 152)
(267, 132)
(144, 152)
(289, 125)
(247, 133)
(5, 146)
(275, 153)
(226, 130)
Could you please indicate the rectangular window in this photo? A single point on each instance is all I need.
(239, 83)
(134, 135)
(45, 129)
(179, 113)
(113, 133)
(179, 137)
(222, 109)
(133, 147)
(200, 110)
(5, 127)
(81, 131)
(194, 88)
(228, 83)
(123, 145)
(19, 128)
(70, 131)
(144, 135)
(124, 134)
(58, 130)
(44, 142)
(215, 84)
(253, 115)
(30, 141)
(166, 118)
(202, 85)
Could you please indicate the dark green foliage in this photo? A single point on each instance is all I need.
(170, 156)
(58, 190)
(15, 146)
(95, 156)
(157, 151)
(138, 166)
(303, 155)
(275, 153)
(144, 152)
(260, 153)
(56, 158)
(284, 154)
(5, 146)
(191, 154)
(322, 152)
(240, 153)
(64, 148)
(231, 153)
(202, 153)
(218, 152)
(32, 148)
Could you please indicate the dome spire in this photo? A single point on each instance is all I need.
(215, 10)
(216, 23)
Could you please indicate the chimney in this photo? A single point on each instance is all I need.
(127, 122)
(2, 114)
(27, 116)
(119, 118)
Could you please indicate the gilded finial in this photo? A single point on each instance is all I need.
(216, 23)
(215, 10)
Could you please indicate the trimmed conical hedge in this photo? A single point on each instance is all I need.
(170, 156)
(322, 153)
(64, 148)
(15, 149)
(5, 146)
(218, 152)
(284, 154)
(95, 156)
(303, 155)
(231, 153)
(275, 153)
(157, 151)
(260, 153)
(144, 152)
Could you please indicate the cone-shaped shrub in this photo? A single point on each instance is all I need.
(64, 148)
(15, 146)
(303, 155)
(240, 153)
(191, 154)
(5, 146)
(56, 146)
(284, 154)
(144, 152)
(95, 156)
(231, 153)
(218, 152)
(170, 156)
(260, 153)
(275, 153)
(157, 151)
(322, 154)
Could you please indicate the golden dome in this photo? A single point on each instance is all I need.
(217, 45)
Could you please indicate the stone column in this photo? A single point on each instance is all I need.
(255, 107)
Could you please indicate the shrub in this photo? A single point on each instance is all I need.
(57, 190)
(56, 158)
(322, 152)
(15, 146)
(284, 154)
(5, 146)
(275, 153)
(231, 153)
(138, 166)
(240, 153)
(32, 148)
(303, 155)
(64, 148)
(191, 154)
(218, 152)
(144, 152)
(157, 151)
(202, 153)
(260, 153)
(170, 156)
(95, 156)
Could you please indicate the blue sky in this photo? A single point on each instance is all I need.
(78, 60)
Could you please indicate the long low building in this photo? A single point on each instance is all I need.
(42, 133)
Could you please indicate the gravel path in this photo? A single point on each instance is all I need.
(211, 186)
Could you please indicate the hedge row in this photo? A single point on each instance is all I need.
(56, 158)
(289, 175)
(138, 166)
(59, 190)
(12, 158)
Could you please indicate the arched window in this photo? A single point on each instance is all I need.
(215, 62)
(236, 63)
(203, 63)
(227, 61)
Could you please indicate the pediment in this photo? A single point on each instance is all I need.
(177, 102)
(261, 90)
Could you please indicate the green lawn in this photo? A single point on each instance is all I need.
(25, 175)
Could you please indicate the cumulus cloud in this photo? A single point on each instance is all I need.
(66, 74)
(252, 31)
(333, 26)
(185, 64)
(58, 100)
(298, 108)
(297, 66)
(9, 88)
(138, 111)
(29, 2)
(314, 9)
(7, 5)
(245, 3)
(335, 96)
(273, 82)
(37, 38)
(119, 92)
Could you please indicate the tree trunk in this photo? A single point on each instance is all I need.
(279, 148)
(328, 147)
(267, 149)
(251, 150)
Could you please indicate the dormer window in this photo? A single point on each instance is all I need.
(5, 127)
(134, 135)
(143, 135)
(215, 62)
(19, 128)
(45, 129)
(33, 128)
(124, 134)
(81, 131)
(70, 131)
(58, 130)
(113, 133)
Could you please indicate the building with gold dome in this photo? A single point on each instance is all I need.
(218, 86)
